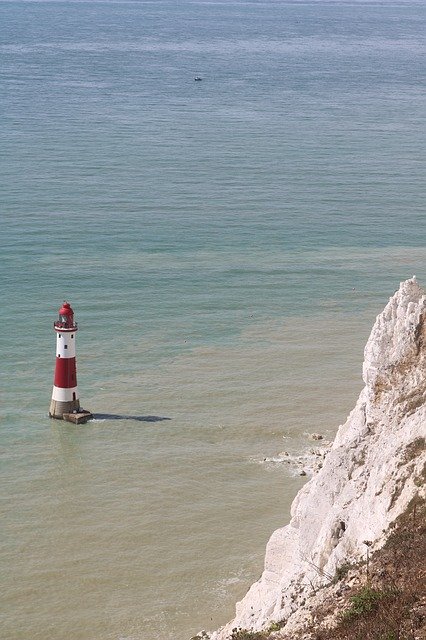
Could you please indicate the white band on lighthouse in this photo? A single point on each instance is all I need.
(64, 395)
(65, 345)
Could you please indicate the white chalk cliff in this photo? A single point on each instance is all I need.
(373, 470)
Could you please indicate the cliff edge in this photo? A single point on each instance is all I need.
(373, 471)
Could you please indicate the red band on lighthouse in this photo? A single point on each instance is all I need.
(65, 373)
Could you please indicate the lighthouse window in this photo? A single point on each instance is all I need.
(65, 346)
(60, 336)
(72, 336)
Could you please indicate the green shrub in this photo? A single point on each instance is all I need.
(243, 634)
(363, 602)
(341, 571)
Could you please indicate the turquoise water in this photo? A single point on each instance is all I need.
(226, 245)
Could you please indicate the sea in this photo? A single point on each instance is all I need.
(226, 245)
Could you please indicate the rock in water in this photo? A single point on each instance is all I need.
(370, 475)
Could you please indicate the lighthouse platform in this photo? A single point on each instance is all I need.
(80, 417)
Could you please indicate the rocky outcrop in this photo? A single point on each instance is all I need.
(373, 470)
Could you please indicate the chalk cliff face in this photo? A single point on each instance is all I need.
(371, 473)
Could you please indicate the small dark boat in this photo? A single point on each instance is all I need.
(198, 78)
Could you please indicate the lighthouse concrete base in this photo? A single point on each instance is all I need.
(58, 408)
(78, 418)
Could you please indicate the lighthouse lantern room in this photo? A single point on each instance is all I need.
(65, 403)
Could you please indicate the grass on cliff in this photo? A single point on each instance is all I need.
(387, 598)
(391, 604)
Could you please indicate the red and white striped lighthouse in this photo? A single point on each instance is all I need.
(65, 393)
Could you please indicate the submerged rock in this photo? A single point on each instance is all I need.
(370, 475)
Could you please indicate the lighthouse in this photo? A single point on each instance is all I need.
(65, 403)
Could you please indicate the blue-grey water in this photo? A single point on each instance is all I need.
(226, 245)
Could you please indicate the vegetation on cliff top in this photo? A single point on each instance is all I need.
(391, 604)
